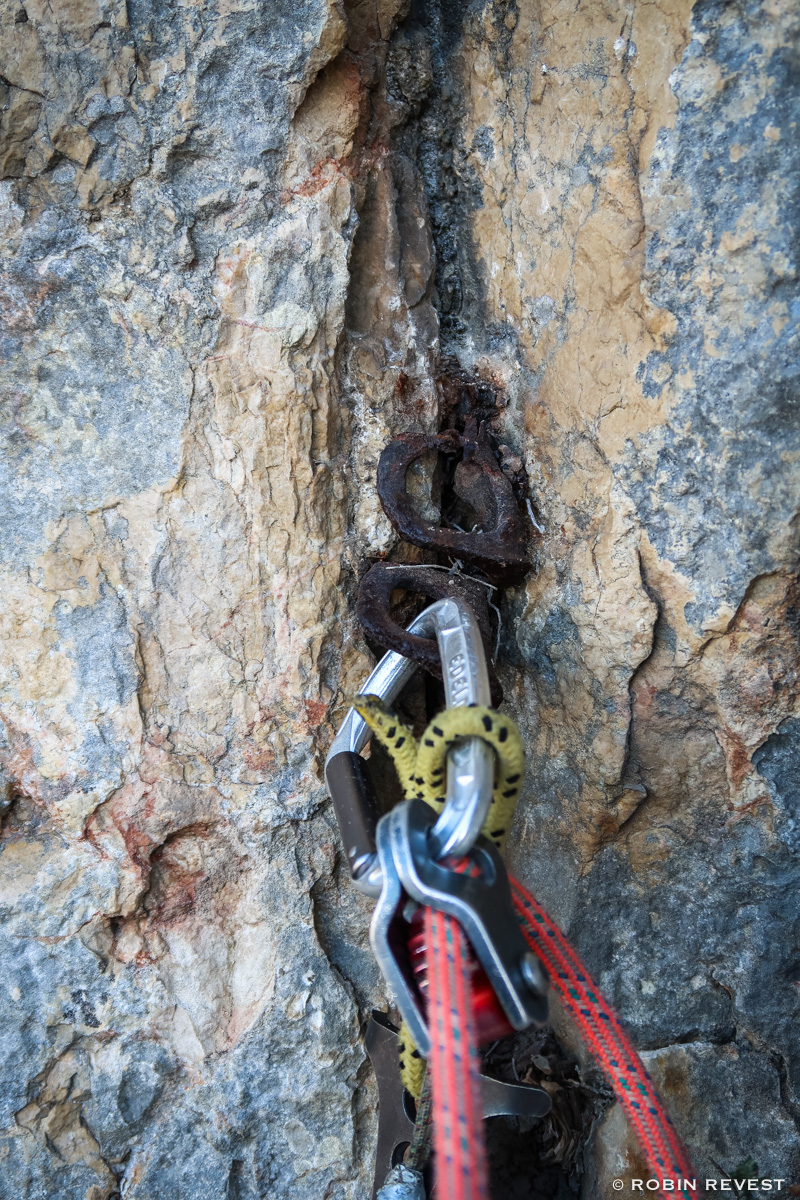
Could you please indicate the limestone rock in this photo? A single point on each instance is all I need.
(238, 243)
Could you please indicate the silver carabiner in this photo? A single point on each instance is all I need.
(481, 902)
(470, 765)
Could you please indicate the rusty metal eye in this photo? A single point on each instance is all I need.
(374, 595)
(499, 549)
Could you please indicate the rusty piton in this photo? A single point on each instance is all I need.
(498, 548)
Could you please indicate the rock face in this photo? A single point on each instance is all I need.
(238, 242)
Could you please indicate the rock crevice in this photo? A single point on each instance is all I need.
(243, 248)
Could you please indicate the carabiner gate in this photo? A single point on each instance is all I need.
(470, 765)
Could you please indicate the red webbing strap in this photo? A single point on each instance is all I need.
(461, 1171)
(604, 1035)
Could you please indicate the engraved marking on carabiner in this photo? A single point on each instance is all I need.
(458, 679)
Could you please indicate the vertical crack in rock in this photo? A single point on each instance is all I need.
(236, 243)
(599, 253)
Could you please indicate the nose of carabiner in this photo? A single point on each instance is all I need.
(470, 767)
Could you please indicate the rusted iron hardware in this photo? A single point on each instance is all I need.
(498, 548)
(373, 612)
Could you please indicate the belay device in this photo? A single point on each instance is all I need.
(465, 949)
(402, 859)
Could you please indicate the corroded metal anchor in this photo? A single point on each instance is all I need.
(499, 548)
(436, 584)
(496, 547)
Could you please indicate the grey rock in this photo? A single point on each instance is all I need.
(240, 244)
(714, 487)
